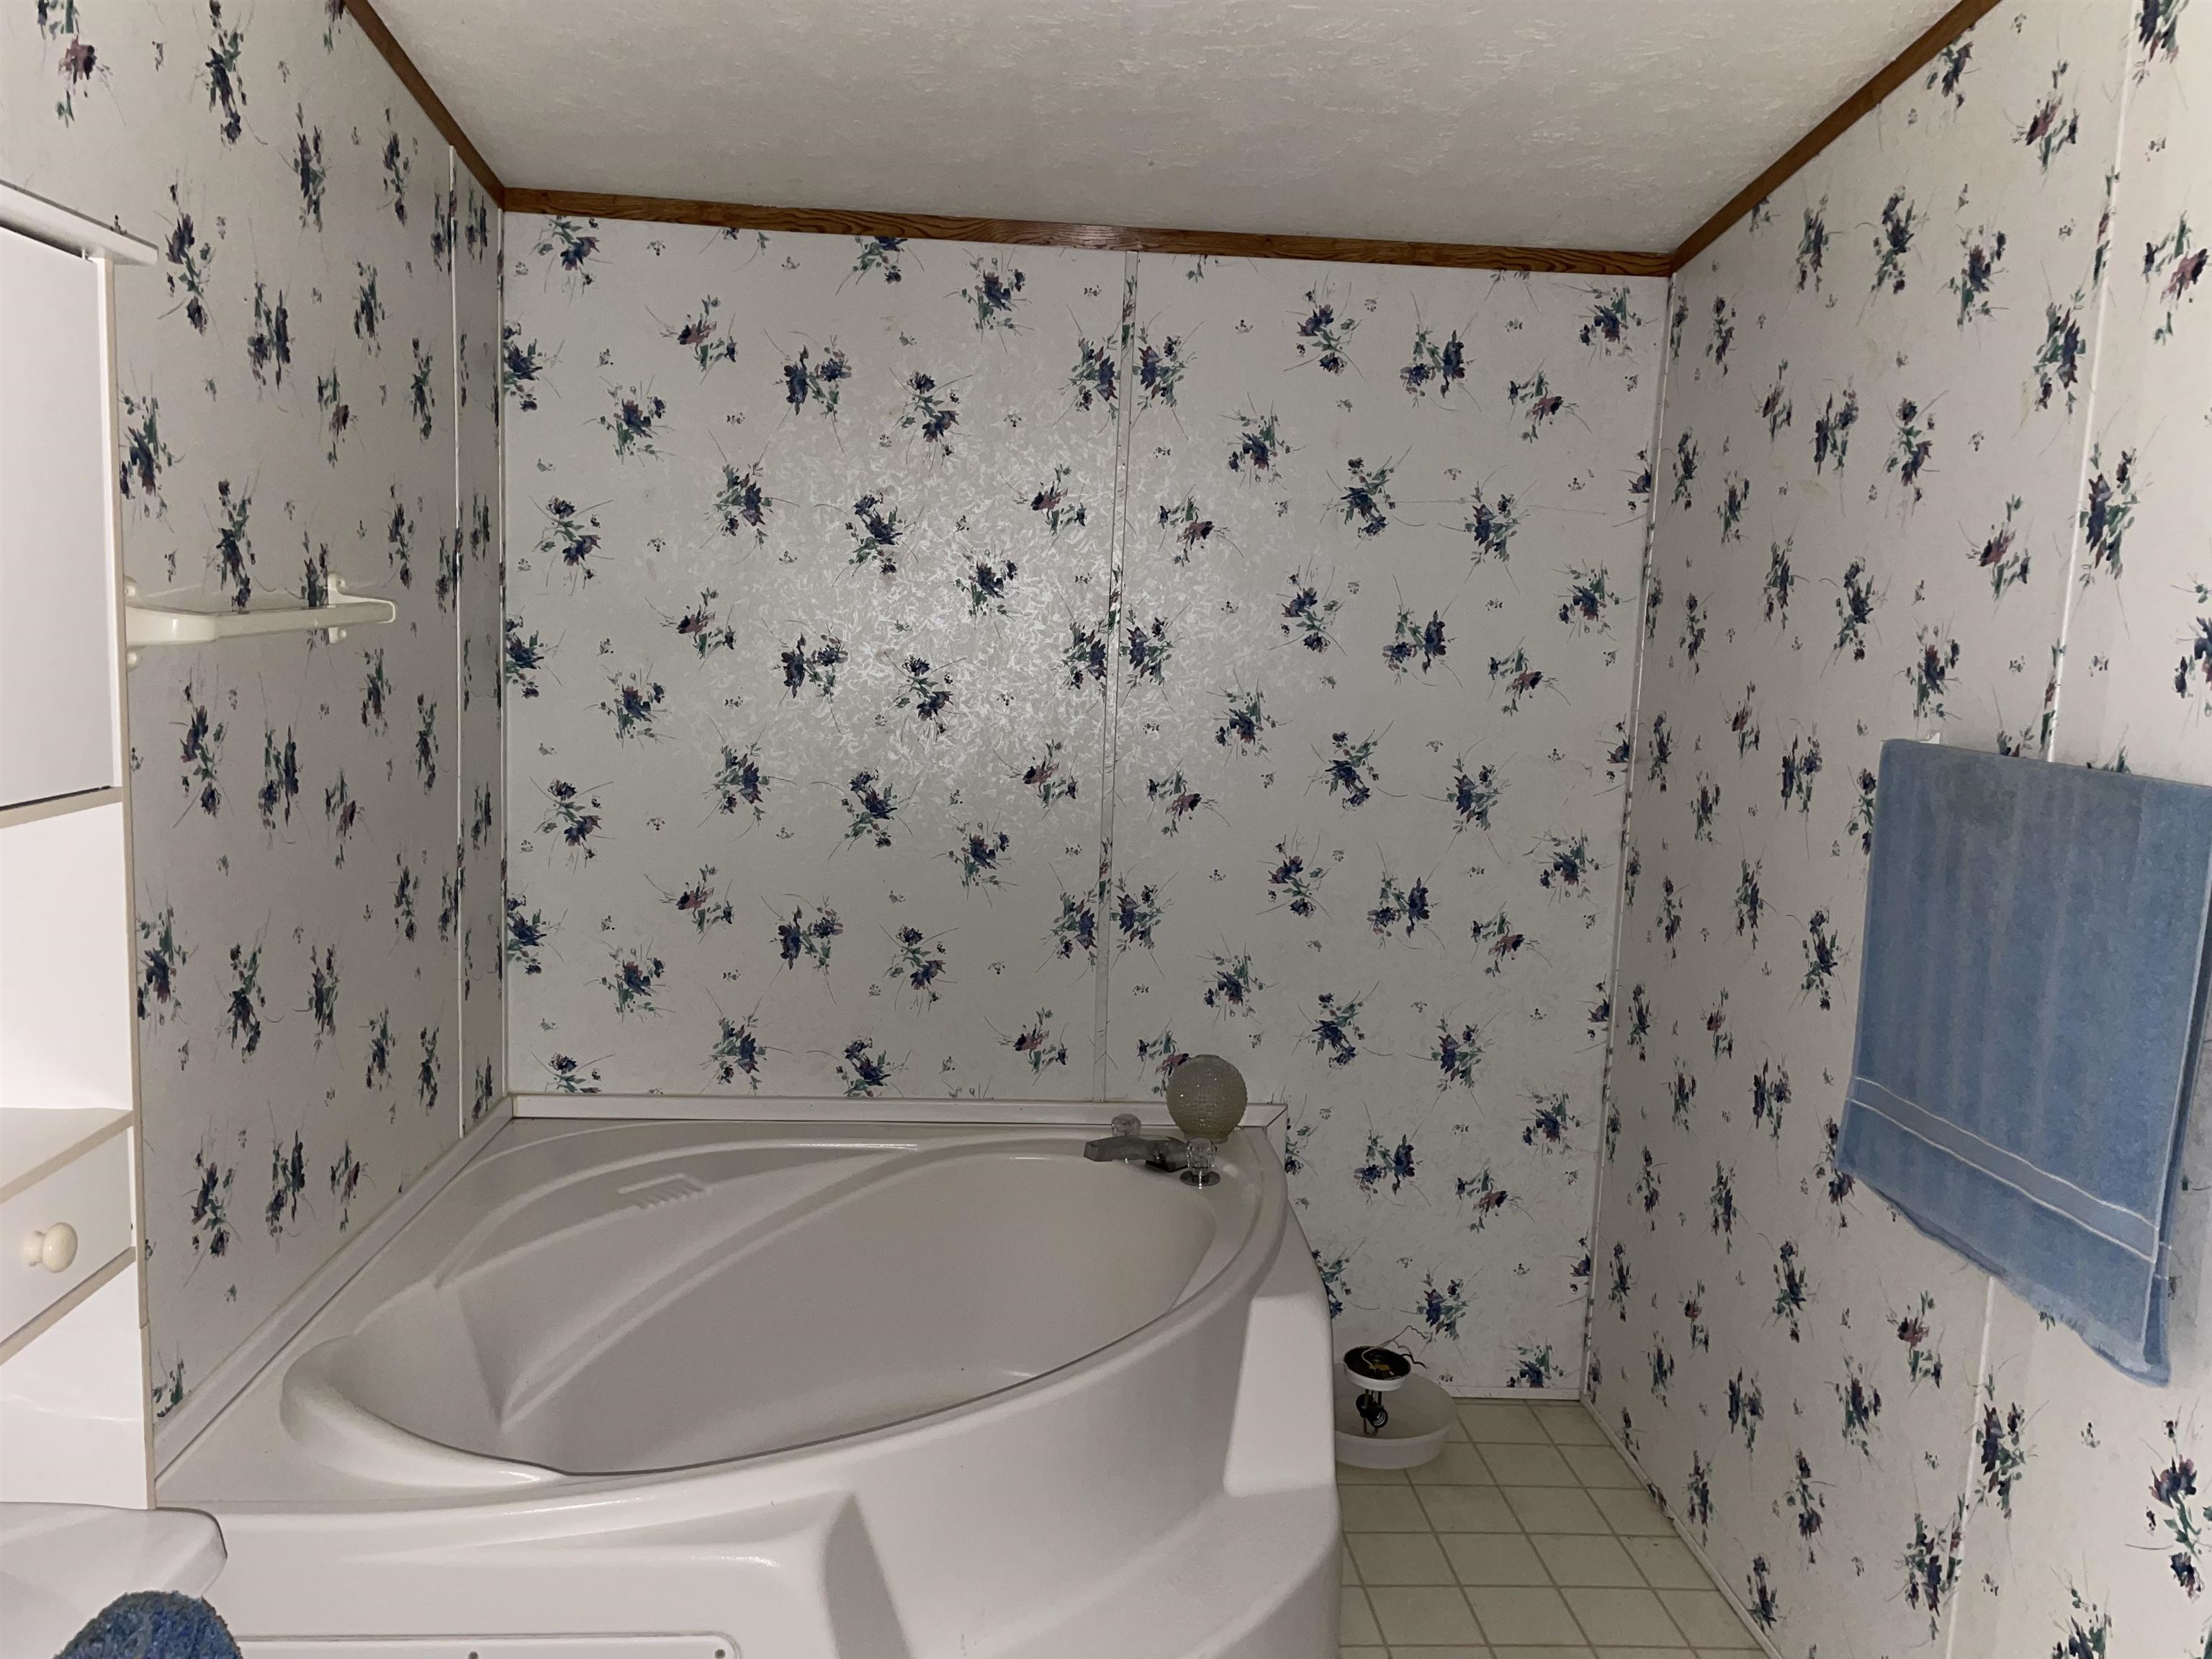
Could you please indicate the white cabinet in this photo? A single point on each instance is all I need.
(57, 681)
(66, 1029)
(74, 1395)
(73, 1410)
(62, 1226)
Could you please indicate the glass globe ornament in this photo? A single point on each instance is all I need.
(1205, 1098)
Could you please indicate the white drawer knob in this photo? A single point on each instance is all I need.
(52, 1250)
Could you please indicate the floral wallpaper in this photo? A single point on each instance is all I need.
(936, 670)
(1928, 411)
(2106, 1524)
(848, 575)
(1377, 648)
(479, 612)
(806, 776)
(316, 825)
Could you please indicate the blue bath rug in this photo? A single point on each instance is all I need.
(153, 1624)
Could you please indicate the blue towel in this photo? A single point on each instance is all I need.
(2030, 1000)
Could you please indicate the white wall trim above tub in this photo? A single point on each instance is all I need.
(175, 1432)
(797, 1108)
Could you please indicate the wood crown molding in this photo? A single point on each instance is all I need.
(1902, 68)
(381, 36)
(1038, 232)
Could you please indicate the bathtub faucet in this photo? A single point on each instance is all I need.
(1129, 1144)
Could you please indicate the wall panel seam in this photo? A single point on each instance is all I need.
(1125, 420)
(2097, 349)
(461, 1047)
(2055, 696)
(1621, 846)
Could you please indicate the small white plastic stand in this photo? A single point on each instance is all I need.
(1420, 1417)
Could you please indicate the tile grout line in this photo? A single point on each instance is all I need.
(1745, 1639)
(1675, 1527)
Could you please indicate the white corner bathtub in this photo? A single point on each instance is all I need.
(821, 1391)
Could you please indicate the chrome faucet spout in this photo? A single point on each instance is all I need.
(1129, 1144)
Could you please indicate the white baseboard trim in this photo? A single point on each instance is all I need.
(1554, 1394)
(1765, 1643)
(176, 1431)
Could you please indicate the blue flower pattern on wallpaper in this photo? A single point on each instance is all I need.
(318, 827)
(870, 767)
(1377, 796)
(819, 791)
(1903, 443)
(1101, 660)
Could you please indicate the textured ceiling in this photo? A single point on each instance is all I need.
(1619, 123)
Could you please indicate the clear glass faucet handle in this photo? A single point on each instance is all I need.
(1127, 1123)
(1200, 1153)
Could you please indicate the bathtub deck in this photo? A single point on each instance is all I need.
(1528, 1539)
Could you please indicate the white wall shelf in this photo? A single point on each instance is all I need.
(147, 625)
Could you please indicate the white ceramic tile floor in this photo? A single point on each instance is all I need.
(1529, 1539)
